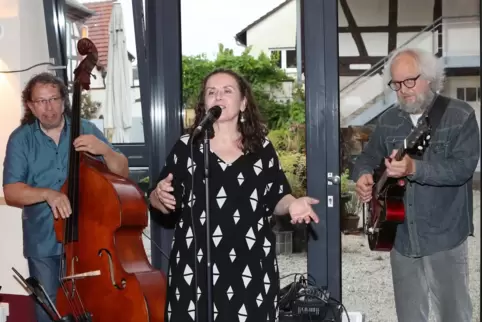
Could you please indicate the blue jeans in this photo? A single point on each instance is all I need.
(442, 277)
(46, 271)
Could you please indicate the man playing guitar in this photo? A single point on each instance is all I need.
(430, 249)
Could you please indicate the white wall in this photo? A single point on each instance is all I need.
(23, 44)
(277, 31)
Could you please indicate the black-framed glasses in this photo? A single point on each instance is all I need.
(52, 100)
(409, 83)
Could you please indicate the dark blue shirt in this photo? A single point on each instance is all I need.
(33, 158)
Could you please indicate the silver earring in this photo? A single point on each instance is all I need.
(242, 120)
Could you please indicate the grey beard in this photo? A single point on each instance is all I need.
(421, 103)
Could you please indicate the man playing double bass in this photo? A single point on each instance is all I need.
(36, 167)
(430, 252)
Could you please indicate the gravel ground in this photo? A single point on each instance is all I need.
(359, 264)
(360, 294)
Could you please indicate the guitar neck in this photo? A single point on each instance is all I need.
(384, 177)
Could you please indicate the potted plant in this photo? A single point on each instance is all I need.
(349, 204)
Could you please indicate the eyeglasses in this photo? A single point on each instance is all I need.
(409, 83)
(44, 102)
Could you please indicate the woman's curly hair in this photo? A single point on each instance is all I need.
(44, 79)
(253, 130)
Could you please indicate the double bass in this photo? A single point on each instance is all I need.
(105, 274)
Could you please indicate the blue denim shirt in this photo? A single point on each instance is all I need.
(438, 199)
(34, 159)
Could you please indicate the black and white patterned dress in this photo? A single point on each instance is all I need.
(245, 271)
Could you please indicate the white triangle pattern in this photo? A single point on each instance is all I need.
(266, 246)
(230, 292)
(192, 199)
(185, 139)
(265, 142)
(259, 299)
(236, 216)
(188, 274)
(232, 255)
(215, 311)
(267, 283)
(268, 188)
(260, 223)
(258, 167)
(242, 314)
(217, 236)
(240, 178)
(191, 166)
(246, 276)
(254, 199)
(221, 197)
(250, 238)
(215, 274)
(191, 310)
(222, 165)
(189, 237)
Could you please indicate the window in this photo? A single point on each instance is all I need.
(468, 94)
(73, 33)
(286, 57)
(291, 58)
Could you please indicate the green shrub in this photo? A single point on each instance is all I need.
(294, 167)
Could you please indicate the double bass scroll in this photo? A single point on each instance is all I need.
(105, 274)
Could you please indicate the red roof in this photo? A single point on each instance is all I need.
(98, 27)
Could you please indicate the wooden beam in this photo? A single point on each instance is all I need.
(392, 24)
(371, 29)
(353, 28)
(437, 13)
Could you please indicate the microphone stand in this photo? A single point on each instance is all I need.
(208, 134)
(38, 293)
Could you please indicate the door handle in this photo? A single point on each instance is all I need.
(333, 179)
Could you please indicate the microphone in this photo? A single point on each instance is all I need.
(211, 116)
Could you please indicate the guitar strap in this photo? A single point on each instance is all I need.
(435, 113)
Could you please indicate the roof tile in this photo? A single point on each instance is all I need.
(98, 26)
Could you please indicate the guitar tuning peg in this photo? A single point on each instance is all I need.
(428, 137)
(420, 148)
